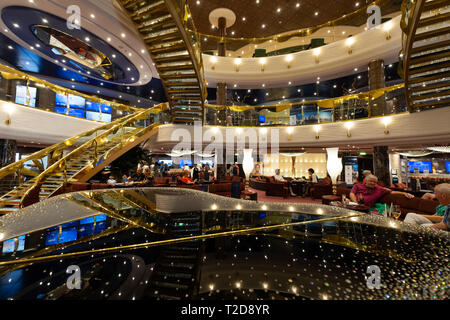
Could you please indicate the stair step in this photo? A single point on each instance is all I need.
(177, 67)
(183, 91)
(179, 76)
(430, 95)
(432, 67)
(148, 9)
(436, 4)
(150, 25)
(154, 39)
(429, 87)
(181, 84)
(177, 58)
(431, 57)
(424, 79)
(431, 34)
(433, 46)
(434, 19)
(433, 103)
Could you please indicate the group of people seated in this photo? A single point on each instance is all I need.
(305, 187)
(369, 192)
(192, 176)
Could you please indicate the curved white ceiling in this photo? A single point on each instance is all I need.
(334, 62)
(109, 22)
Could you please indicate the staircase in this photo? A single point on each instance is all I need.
(176, 274)
(163, 26)
(426, 53)
(86, 155)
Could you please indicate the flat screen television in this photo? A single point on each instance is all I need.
(447, 165)
(421, 165)
(104, 117)
(68, 234)
(21, 95)
(96, 106)
(72, 112)
(262, 119)
(8, 246)
(86, 230)
(325, 116)
(184, 162)
(168, 162)
(76, 102)
(61, 100)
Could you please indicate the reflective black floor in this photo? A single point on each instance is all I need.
(183, 244)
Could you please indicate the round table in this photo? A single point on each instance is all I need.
(329, 198)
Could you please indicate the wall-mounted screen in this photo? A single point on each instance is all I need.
(76, 102)
(104, 117)
(72, 112)
(310, 114)
(8, 246)
(447, 165)
(421, 166)
(262, 119)
(21, 95)
(168, 162)
(68, 234)
(96, 106)
(61, 100)
(184, 162)
(325, 116)
(86, 230)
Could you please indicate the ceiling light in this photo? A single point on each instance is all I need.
(10, 47)
(16, 25)
(123, 35)
(87, 39)
(92, 16)
(44, 20)
(198, 2)
(243, 18)
(263, 26)
(297, 5)
(279, 10)
(109, 39)
(316, 13)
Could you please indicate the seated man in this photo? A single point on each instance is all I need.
(139, 175)
(279, 177)
(370, 192)
(442, 193)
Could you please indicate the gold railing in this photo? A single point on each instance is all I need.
(340, 105)
(304, 32)
(99, 140)
(10, 73)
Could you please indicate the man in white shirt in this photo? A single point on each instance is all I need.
(279, 177)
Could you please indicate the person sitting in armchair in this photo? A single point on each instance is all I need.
(279, 177)
(370, 192)
(442, 194)
(185, 179)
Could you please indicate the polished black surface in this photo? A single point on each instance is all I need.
(162, 243)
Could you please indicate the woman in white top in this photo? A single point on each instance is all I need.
(312, 179)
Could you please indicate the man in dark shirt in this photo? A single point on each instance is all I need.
(138, 176)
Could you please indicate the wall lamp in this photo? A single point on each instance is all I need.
(316, 53)
(349, 43)
(290, 130)
(288, 59)
(317, 129)
(349, 125)
(262, 62)
(386, 121)
(237, 63)
(9, 111)
(213, 62)
(387, 28)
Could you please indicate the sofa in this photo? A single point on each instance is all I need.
(277, 188)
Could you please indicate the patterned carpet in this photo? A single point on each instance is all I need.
(262, 197)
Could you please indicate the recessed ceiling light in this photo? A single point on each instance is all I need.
(297, 5)
(16, 25)
(243, 18)
(92, 16)
(128, 69)
(44, 20)
(109, 39)
(257, 1)
(130, 54)
(316, 13)
(357, 4)
(10, 47)
(123, 35)
(113, 55)
(263, 26)
(87, 39)
(279, 10)
(198, 2)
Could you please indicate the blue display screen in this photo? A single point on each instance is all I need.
(100, 217)
(325, 116)
(76, 102)
(21, 95)
(104, 117)
(421, 165)
(262, 119)
(61, 100)
(52, 237)
(95, 106)
(87, 220)
(72, 112)
(8, 246)
(86, 230)
(99, 227)
(67, 235)
(184, 162)
(21, 246)
(447, 164)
